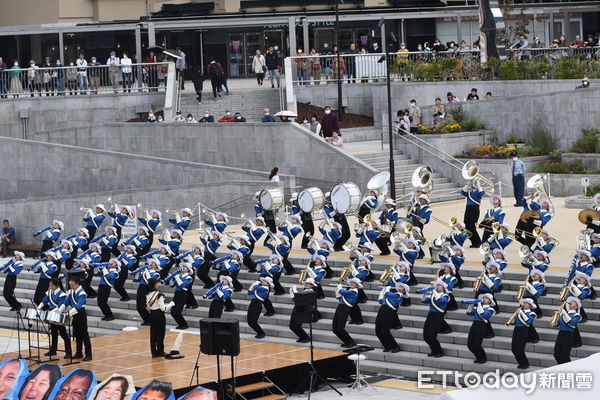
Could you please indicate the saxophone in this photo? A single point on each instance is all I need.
(523, 288)
(512, 318)
(556, 317)
(347, 271)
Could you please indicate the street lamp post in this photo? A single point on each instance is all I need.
(338, 70)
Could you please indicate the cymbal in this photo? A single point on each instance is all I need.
(531, 214)
(587, 215)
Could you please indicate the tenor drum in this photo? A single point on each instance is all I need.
(57, 318)
(310, 199)
(271, 199)
(33, 314)
(345, 197)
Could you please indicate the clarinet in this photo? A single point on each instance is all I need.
(82, 255)
(38, 233)
(212, 290)
(171, 277)
(32, 266)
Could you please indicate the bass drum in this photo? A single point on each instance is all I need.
(345, 197)
(311, 199)
(271, 199)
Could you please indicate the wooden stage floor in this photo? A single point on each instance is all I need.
(129, 353)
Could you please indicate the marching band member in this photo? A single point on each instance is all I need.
(150, 223)
(47, 269)
(401, 274)
(421, 214)
(317, 272)
(219, 294)
(347, 301)
(543, 242)
(584, 265)
(534, 289)
(581, 288)
(272, 266)
(62, 253)
(155, 301)
(53, 300)
(595, 249)
(457, 260)
(254, 231)
(90, 256)
(12, 269)
(267, 215)
(539, 261)
(491, 283)
(458, 235)
(499, 257)
(494, 214)
(481, 314)
(390, 299)
(94, 220)
(308, 227)
(142, 276)
(182, 223)
(523, 323)
(210, 248)
(324, 250)
(163, 255)
(473, 195)
(408, 250)
(175, 242)
(333, 234)
(389, 216)
(500, 239)
(295, 325)
(595, 224)
(524, 229)
(362, 272)
(368, 205)
(140, 241)
(108, 242)
(80, 241)
(436, 296)
(119, 217)
(447, 274)
(283, 250)
(127, 263)
(569, 318)
(367, 234)
(51, 235)
(181, 282)
(291, 228)
(108, 273)
(230, 265)
(219, 223)
(76, 300)
(195, 258)
(259, 292)
(340, 218)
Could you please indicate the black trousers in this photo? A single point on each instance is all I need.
(120, 283)
(71, 260)
(157, 331)
(470, 220)
(56, 330)
(215, 82)
(519, 341)
(341, 219)
(563, 346)
(46, 245)
(105, 254)
(216, 309)
(383, 324)
(254, 310)
(431, 328)
(260, 77)
(296, 327)
(356, 314)
(270, 223)
(277, 285)
(383, 244)
(339, 323)
(248, 261)
(103, 295)
(87, 284)
(521, 229)
(532, 334)
(309, 230)
(40, 290)
(204, 270)
(475, 340)
(140, 303)
(190, 300)
(287, 265)
(10, 282)
(80, 332)
(269, 306)
(177, 310)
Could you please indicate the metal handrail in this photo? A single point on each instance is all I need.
(396, 132)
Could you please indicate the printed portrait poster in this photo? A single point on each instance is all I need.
(115, 387)
(76, 385)
(155, 390)
(12, 374)
(199, 393)
(40, 382)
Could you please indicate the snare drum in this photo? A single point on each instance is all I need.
(33, 314)
(57, 318)
(345, 197)
(311, 199)
(271, 199)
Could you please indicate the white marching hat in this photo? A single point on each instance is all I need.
(284, 238)
(368, 245)
(499, 251)
(320, 257)
(96, 245)
(187, 265)
(327, 194)
(267, 279)
(452, 267)
(489, 296)
(528, 300)
(405, 286)
(259, 219)
(187, 210)
(541, 253)
(256, 195)
(215, 232)
(413, 241)
(390, 202)
(164, 246)
(244, 237)
(494, 197)
(579, 274)
(575, 299)
(59, 223)
(177, 231)
(404, 264)
(129, 246)
(111, 228)
(367, 259)
(155, 211)
(595, 235)
(327, 242)
(492, 264)
(536, 271)
(114, 261)
(585, 252)
(423, 196)
(296, 216)
(226, 278)
(596, 197)
(100, 205)
(337, 224)
(238, 253)
(67, 242)
(222, 214)
(458, 247)
(197, 246)
(441, 282)
(275, 256)
(355, 280)
(294, 196)
(143, 228)
(86, 233)
(20, 254)
(156, 261)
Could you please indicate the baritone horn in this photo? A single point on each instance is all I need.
(422, 177)
(471, 172)
(389, 271)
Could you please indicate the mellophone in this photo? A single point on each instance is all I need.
(49, 317)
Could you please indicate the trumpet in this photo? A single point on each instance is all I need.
(274, 238)
(233, 241)
(512, 318)
(165, 235)
(556, 316)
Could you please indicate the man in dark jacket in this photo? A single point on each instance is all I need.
(273, 63)
(215, 73)
(198, 80)
(329, 123)
(351, 63)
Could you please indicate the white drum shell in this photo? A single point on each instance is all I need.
(57, 318)
(34, 314)
(271, 199)
(311, 199)
(345, 197)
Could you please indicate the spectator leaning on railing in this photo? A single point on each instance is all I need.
(82, 74)
(114, 70)
(3, 79)
(94, 75)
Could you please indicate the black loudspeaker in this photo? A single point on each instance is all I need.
(220, 336)
(306, 305)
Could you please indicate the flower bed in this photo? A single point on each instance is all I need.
(561, 167)
(437, 130)
(488, 151)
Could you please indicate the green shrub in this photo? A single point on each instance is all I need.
(539, 139)
(575, 167)
(513, 138)
(471, 123)
(586, 143)
(592, 190)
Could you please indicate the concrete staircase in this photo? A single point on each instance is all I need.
(443, 188)
(405, 363)
(249, 102)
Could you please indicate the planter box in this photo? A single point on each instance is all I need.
(579, 202)
(590, 160)
(500, 171)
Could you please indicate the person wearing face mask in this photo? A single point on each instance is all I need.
(351, 63)
(415, 114)
(114, 70)
(273, 64)
(239, 118)
(33, 81)
(207, 117)
(127, 72)
(585, 83)
(402, 60)
(198, 81)
(302, 66)
(71, 73)
(15, 80)
(517, 168)
(58, 78)
(228, 117)
(94, 75)
(48, 82)
(329, 123)
(267, 117)
(259, 67)
(82, 74)
(179, 117)
(190, 119)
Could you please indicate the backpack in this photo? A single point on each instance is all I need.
(216, 72)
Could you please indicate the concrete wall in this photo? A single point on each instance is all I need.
(30, 215)
(254, 146)
(579, 202)
(38, 169)
(66, 111)
(357, 98)
(591, 161)
(562, 185)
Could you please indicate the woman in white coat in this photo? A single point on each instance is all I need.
(259, 67)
